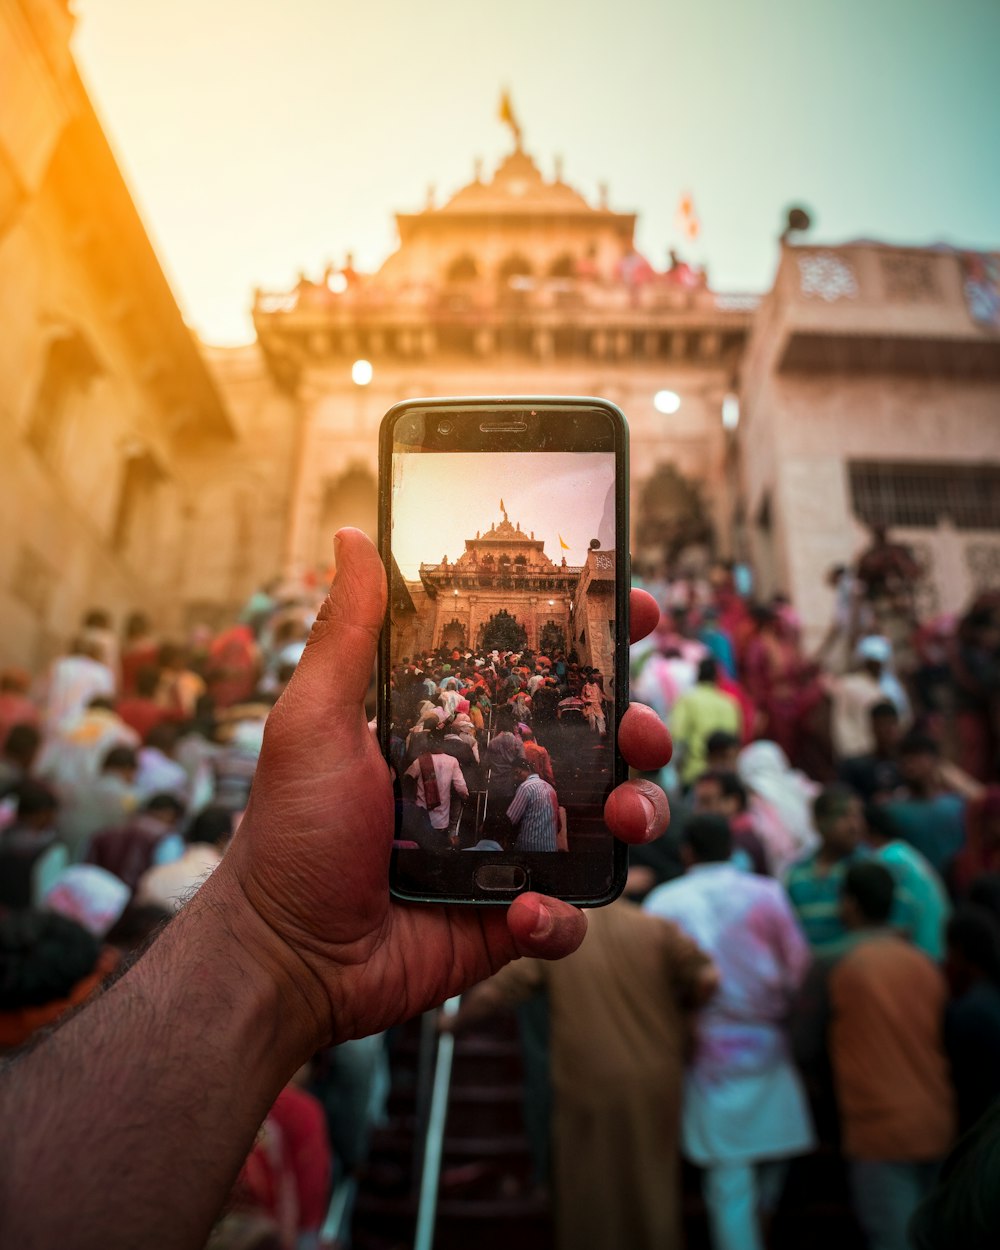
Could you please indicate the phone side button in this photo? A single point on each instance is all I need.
(500, 877)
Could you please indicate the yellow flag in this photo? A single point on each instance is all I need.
(565, 546)
(502, 508)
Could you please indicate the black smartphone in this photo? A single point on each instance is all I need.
(503, 664)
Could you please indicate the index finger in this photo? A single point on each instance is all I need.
(643, 614)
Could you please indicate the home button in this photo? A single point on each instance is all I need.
(506, 877)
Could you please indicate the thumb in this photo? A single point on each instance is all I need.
(340, 653)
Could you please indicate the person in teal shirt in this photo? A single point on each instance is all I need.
(927, 815)
(920, 907)
(814, 884)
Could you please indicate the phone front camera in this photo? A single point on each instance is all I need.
(444, 427)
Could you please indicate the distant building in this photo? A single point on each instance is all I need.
(139, 470)
(504, 593)
(870, 395)
(516, 284)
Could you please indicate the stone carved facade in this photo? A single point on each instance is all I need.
(505, 585)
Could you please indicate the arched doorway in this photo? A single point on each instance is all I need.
(551, 639)
(351, 499)
(503, 632)
(671, 517)
(453, 636)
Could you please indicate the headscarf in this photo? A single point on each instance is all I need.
(781, 804)
(92, 896)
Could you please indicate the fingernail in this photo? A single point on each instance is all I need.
(649, 811)
(543, 923)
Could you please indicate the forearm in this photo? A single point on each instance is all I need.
(129, 1124)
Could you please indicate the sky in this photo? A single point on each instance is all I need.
(555, 494)
(265, 137)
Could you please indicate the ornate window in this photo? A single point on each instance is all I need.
(920, 494)
(827, 276)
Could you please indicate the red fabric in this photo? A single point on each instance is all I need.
(232, 666)
(747, 705)
(287, 1174)
(432, 794)
(15, 709)
(141, 714)
(142, 655)
(981, 852)
(537, 755)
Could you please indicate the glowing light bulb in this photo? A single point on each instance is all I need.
(666, 402)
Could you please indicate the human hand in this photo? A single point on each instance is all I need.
(306, 880)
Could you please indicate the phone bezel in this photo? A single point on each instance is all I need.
(590, 879)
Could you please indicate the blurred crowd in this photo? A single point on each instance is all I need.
(124, 771)
(808, 961)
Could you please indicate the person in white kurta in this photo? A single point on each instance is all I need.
(744, 1105)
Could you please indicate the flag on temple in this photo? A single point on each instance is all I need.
(508, 118)
(687, 219)
(502, 508)
(565, 546)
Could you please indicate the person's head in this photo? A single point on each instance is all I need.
(707, 839)
(97, 618)
(163, 738)
(147, 679)
(837, 813)
(972, 942)
(880, 825)
(37, 804)
(721, 793)
(866, 896)
(172, 657)
(21, 745)
(874, 653)
(721, 751)
(164, 807)
(834, 573)
(121, 762)
(136, 626)
(213, 825)
(521, 770)
(100, 704)
(920, 762)
(42, 957)
(885, 727)
(14, 681)
(135, 926)
(708, 671)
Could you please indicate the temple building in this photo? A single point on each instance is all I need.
(143, 470)
(515, 284)
(503, 592)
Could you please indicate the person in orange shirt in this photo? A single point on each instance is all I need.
(879, 1005)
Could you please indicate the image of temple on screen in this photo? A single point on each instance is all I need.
(502, 656)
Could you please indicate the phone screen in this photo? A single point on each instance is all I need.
(502, 643)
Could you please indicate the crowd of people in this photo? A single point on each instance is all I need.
(489, 747)
(124, 770)
(816, 959)
(833, 857)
